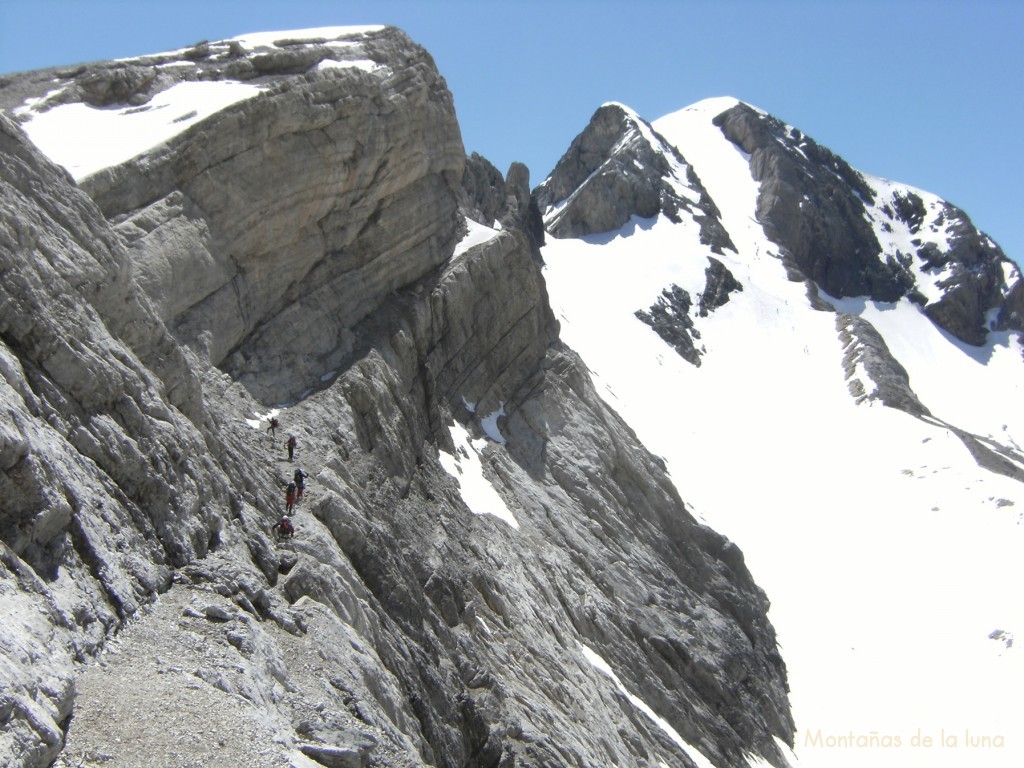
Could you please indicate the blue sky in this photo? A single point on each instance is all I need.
(926, 93)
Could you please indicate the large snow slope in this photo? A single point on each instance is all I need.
(893, 561)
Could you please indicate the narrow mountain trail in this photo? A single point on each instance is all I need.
(142, 701)
(193, 681)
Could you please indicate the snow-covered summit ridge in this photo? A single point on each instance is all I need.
(848, 233)
(100, 115)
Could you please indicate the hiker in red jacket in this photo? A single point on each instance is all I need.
(284, 528)
(289, 498)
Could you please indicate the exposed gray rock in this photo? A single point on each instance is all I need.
(976, 283)
(106, 477)
(336, 757)
(670, 319)
(142, 502)
(718, 286)
(813, 205)
(619, 167)
(872, 373)
(276, 211)
(507, 202)
(485, 190)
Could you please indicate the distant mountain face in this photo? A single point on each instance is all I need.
(757, 371)
(851, 234)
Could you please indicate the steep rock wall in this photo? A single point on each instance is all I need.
(399, 627)
(106, 472)
(281, 208)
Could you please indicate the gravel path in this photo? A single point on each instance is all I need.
(140, 704)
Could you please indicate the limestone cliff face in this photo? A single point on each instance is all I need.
(316, 244)
(281, 208)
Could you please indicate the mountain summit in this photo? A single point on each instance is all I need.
(808, 391)
(662, 463)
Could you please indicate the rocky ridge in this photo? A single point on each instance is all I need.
(619, 167)
(857, 236)
(149, 321)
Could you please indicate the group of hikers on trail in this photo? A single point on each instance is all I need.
(284, 528)
(292, 495)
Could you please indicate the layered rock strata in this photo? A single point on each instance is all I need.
(308, 243)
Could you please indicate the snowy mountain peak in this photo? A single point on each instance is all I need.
(619, 167)
(854, 235)
(829, 415)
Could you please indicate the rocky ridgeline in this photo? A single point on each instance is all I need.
(304, 245)
(619, 167)
(820, 211)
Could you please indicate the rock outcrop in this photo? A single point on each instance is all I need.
(504, 202)
(670, 318)
(620, 167)
(872, 373)
(306, 244)
(719, 284)
(275, 212)
(673, 317)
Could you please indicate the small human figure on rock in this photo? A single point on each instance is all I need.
(292, 442)
(284, 528)
(274, 424)
(300, 483)
(289, 498)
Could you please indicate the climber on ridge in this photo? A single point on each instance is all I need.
(284, 528)
(300, 483)
(289, 498)
(274, 424)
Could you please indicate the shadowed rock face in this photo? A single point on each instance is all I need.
(140, 328)
(810, 203)
(506, 201)
(815, 207)
(620, 167)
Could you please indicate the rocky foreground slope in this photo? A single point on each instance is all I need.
(314, 244)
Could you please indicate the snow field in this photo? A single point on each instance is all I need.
(889, 556)
(87, 139)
